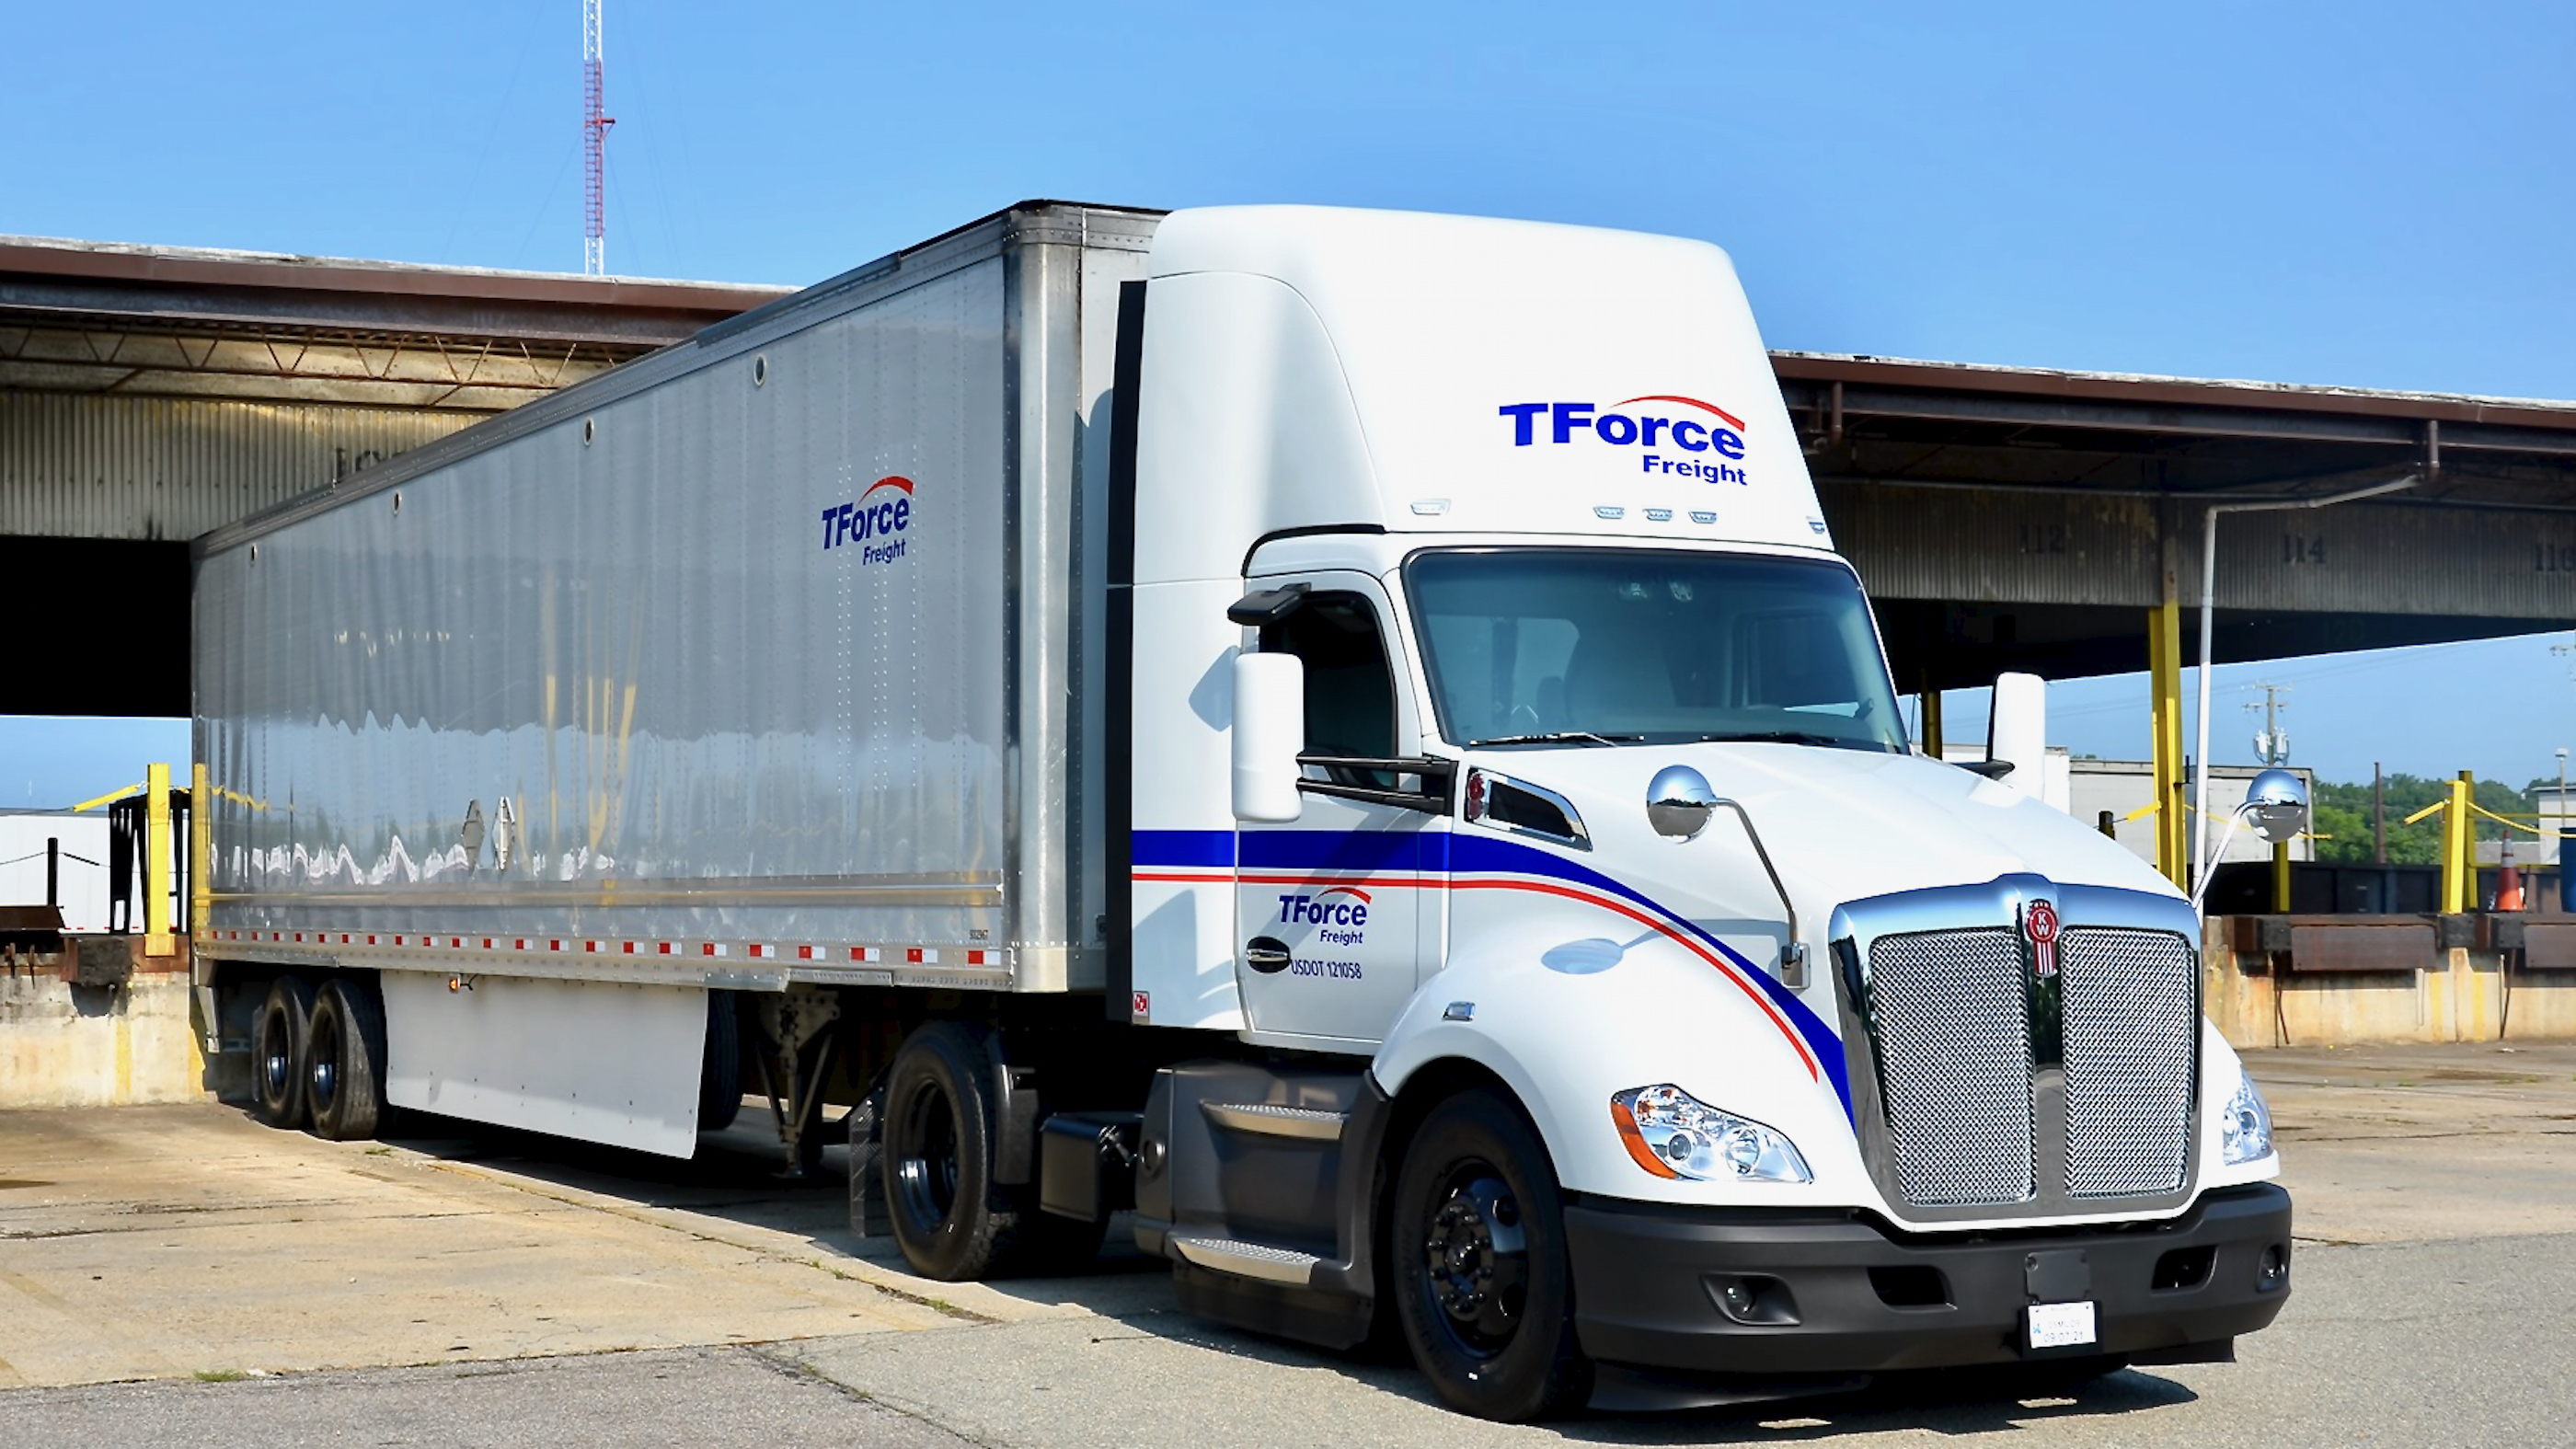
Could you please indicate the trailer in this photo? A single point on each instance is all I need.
(1337, 731)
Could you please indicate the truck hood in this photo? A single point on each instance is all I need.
(1841, 825)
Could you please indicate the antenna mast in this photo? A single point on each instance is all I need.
(594, 137)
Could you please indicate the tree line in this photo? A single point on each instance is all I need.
(2343, 819)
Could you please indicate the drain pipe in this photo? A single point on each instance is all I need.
(2208, 599)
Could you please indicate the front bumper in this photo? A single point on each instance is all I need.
(1838, 1294)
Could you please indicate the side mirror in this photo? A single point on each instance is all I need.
(1269, 735)
(2019, 734)
(1679, 802)
(2278, 805)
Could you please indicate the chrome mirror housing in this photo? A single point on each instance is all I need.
(1679, 802)
(2277, 804)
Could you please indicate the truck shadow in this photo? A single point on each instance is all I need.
(734, 1178)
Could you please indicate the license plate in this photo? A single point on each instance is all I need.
(2061, 1325)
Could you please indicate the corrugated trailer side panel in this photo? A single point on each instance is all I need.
(616, 679)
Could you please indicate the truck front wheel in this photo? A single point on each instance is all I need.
(1478, 1247)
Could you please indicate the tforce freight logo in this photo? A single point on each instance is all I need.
(1668, 439)
(1342, 912)
(879, 521)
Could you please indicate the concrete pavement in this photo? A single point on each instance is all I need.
(2436, 1269)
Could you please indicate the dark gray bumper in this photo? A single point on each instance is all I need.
(1842, 1295)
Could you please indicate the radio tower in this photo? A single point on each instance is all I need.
(594, 137)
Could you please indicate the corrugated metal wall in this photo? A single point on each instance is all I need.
(2031, 547)
(87, 465)
(1975, 546)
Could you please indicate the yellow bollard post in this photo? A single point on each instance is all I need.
(2281, 878)
(201, 850)
(2164, 722)
(156, 855)
(1932, 741)
(2457, 872)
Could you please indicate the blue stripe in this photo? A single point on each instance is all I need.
(1200, 848)
(1322, 850)
(1480, 852)
(1436, 851)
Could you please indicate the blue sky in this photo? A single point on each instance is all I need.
(2352, 193)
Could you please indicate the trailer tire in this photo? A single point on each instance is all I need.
(344, 1077)
(1482, 1284)
(720, 1073)
(277, 1052)
(936, 1154)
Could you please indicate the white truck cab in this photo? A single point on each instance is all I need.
(1515, 760)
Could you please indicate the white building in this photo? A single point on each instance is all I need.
(82, 878)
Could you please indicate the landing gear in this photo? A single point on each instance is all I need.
(799, 1039)
(1482, 1286)
(277, 1052)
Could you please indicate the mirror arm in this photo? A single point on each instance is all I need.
(1793, 955)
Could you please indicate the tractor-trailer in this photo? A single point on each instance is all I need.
(1340, 733)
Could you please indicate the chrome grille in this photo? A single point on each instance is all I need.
(2132, 1037)
(1954, 1064)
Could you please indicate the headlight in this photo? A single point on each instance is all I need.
(2245, 1128)
(1673, 1134)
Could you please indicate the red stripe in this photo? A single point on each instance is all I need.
(1732, 420)
(1694, 947)
(1374, 881)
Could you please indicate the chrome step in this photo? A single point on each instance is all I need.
(1264, 1120)
(1247, 1260)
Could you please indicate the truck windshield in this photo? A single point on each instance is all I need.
(1614, 646)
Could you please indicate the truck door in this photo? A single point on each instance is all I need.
(1328, 907)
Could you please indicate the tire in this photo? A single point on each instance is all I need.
(1477, 1247)
(935, 1138)
(277, 1052)
(936, 1154)
(344, 1077)
(720, 1074)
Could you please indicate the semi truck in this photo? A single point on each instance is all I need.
(1339, 736)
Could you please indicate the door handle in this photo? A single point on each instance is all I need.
(1266, 954)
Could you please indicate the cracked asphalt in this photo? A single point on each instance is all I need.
(180, 1275)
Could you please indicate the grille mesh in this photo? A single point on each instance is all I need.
(1954, 1057)
(2130, 1038)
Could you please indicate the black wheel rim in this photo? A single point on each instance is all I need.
(925, 1167)
(324, 1080)
(276, 1064)
(1475, 1251)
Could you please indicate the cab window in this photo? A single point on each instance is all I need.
(1350, 688)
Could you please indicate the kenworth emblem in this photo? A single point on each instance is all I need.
(2040, 924)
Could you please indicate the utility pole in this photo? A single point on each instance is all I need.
(2272, 746)
(2378, 814)
(594, 140)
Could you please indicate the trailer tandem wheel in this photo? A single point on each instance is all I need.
(344, 1083)
(278, 1053)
